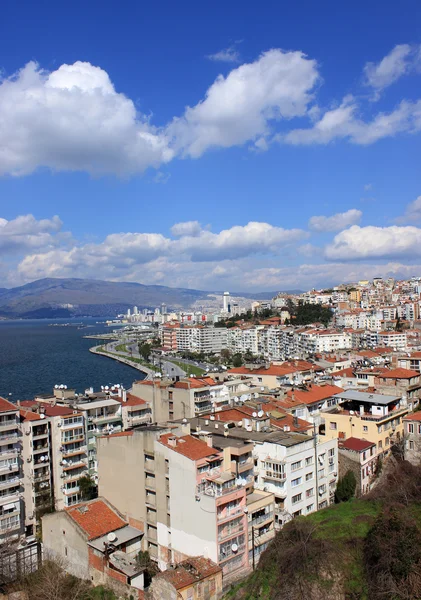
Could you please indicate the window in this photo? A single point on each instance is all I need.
(380, 444)
(296, 482)
(411, 445)
(333, 425)
(331, 452)
(310, 493)
(387, 441)
(419, 429)
(364, 455)
(309, 461)
(365, 428)
(309, 476)
(297, 498)
(296, 465)
(309, 508)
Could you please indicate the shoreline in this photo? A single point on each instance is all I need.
(139, 367)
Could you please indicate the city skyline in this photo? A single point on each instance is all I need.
(221, 153)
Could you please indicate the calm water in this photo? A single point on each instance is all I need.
(34, 357)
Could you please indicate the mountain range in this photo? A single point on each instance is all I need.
(54, 297)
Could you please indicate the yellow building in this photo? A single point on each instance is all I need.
(373, 417)
(355, 296)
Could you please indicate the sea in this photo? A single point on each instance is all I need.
(36, 355)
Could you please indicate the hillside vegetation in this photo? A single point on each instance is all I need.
(367, 549)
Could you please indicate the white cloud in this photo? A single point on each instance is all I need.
(240, 107)
(124, 255)
(335, 222)
(229, 55)
(343, 123)
(25, 233)
(390, 68)
(370, 242)
(412, 212)
(368, 187)
(192, 228)
(73, 119)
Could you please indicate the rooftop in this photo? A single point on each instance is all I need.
(96, 517)
(356, 396)
(190, 571)
(188, 446)
(356, 444)
(5, 405)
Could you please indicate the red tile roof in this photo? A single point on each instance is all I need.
(189, 446)
(195, 382)
(356, 444)
(183, 576)
(28, 415)
(5, 405)
(119, 434)
(96, 518)
(132, 400)
(285, 368)
(400, 374)
(416, 416)
(315, 393)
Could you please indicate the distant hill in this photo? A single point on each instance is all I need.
(78, 297)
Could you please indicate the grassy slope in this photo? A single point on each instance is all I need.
(343, 525)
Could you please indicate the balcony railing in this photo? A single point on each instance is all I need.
(224, 515)
(274, 475)
(392, 414)
(229, 553)
(107, 418)
(223, 535)
(6, 425)
(7, 439)
(13, 497)
(262, 518)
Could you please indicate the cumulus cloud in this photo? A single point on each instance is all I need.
(229, 55)
(402, 59)
(412, 212)
(192, 228)
(370, 242)
(73, 119)
(240, 107)
(26, 233)
(121, 255)
(343, 122)
(335, 222)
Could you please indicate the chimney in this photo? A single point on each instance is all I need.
(209, 440)
(172, 441)
(295, 421)
(124, 395)
(293, 395)
(18, 402)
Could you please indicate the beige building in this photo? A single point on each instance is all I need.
(358, 456)
(412, 439)
(261, 523)
(196, 578)
(11, 514)
(374, 417)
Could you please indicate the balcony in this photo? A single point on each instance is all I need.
(139, 419)
(12, 481)
(226, 516)
(42, 448)
(107, 418)
(391, 415)
(73, 451)
(225, 535)
(10, 468)
(229, 553)
(198, 410)
(39, 435)
(42, 477)
(8, 439)
(72, 425)
(151, 517)
(73, 490)
(13, 497)
(261, 519)
(73, 440)
(274, 475)
(9, 453)
(6, 425)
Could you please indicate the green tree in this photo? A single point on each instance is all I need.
(345, 489)
(237, 360)
(144, 351)
(88, 488)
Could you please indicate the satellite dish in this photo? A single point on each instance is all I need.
(262, 389)
(351, 412)
(234, 548)
(107, 387)
(111, 537)
(65, 387)
(254, 415)
(260, 413)
(56, 387)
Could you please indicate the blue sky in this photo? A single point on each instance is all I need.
(230, 146)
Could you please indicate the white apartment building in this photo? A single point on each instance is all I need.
(202, 339)
(299, 470)
(393, 339)
(316, 341)
(11, 522)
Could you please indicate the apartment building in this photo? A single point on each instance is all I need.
(323, 340)
(412, 437)
(11, 509)
(309, 402)
(69, 453)
(358, 456)
(197, 338)
(374, 417)
(185, 398)
(260, 508)
(393, 339)
(36, 468)
(274, 375)
(100, 417)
